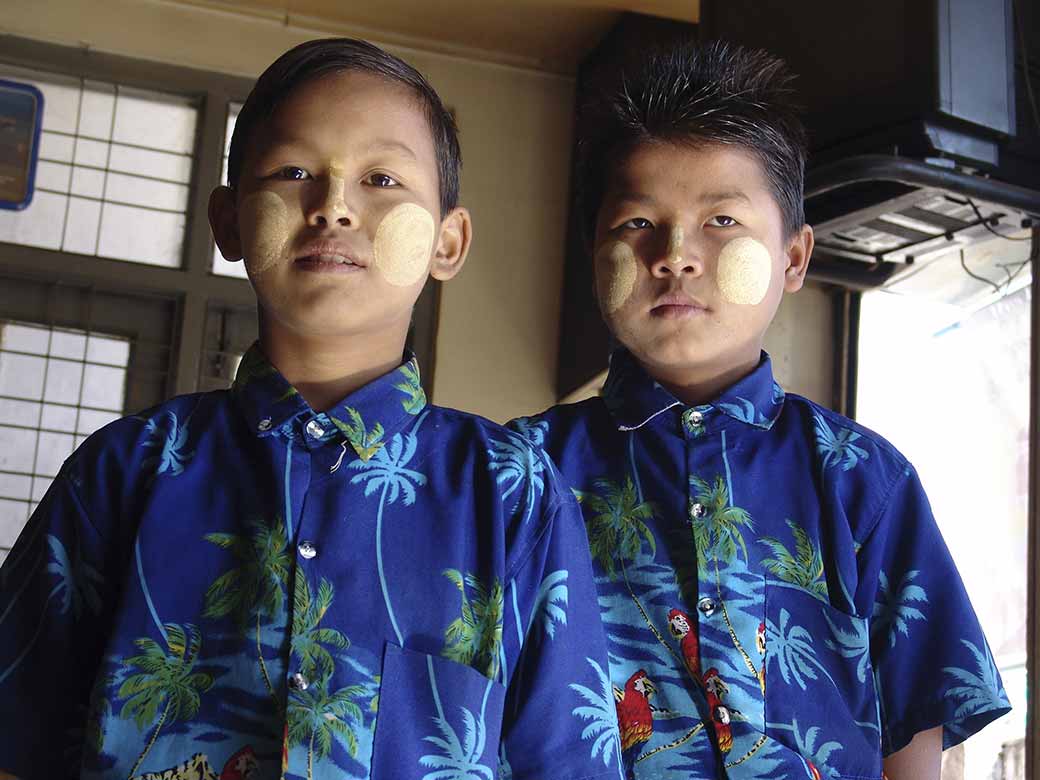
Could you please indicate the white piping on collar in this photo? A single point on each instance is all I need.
(648, 419)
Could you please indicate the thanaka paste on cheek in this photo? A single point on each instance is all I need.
(618, 277)
(264, 226)
(744, 270)
(403, 243)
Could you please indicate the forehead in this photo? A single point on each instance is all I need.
(345, 109)
(689, 173)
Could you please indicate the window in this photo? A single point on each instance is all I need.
(944, 374)
(114, 172)
(221, 266)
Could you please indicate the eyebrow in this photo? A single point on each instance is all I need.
(376, 147)
(719, 196)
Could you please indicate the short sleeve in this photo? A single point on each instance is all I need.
(53, 600)
(559, 719)
(932, 664)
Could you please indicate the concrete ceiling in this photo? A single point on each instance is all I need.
(544, 34)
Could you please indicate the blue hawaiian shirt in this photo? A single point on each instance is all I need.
(233, 586)
(778, 600)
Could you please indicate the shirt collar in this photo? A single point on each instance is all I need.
(366, 418)
(634, 398)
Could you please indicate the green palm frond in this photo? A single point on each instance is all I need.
(804, 568)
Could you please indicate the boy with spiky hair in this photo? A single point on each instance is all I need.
(316, 574)
(777, 597)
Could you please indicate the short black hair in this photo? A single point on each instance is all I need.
(314, 59)
(717, 93)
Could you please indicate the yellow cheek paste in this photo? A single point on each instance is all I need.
(264, 227)
(675, 244)
(745, 268)
(618, 277)
(403, 243)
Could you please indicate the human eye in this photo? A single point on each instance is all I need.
(637, 223)
(382, 180)
(722, 220)
(292, 173)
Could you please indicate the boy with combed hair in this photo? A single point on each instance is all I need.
(316, 574)
(778, 600)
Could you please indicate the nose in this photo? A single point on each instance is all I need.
(331, 206)
(676, 257)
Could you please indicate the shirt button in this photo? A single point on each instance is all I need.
(314, 430)
(697, 511)
(721, 715)
(264, 424)
(307, 550)
(298, 682)
(696, 418)
(706, 606)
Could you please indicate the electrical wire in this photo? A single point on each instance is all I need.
(984, 221)
(974, 275)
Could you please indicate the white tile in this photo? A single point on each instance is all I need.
(15, 486)
(111, 351)
(40, 487)
(91, 420)
(52, 176)
(147, 162)
(63, 381)
(40, 224)
(17, 449)
(24, 338)
(146, 192)
(95, 114)
(51, 452)
(81, 226)
(57, 417)
(103, 387)
(89, 182)
(13, 515)
(68, 344)
(155, 120)
(14, 412)
(140, 235)
(21, 376)
(92, 153)
(56, 147)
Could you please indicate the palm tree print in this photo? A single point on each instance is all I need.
(316, 717)
(459, 759)
(166, 681)
(893, 611)
(415, 397)
(253, 593)
(792, 649)
(851, 644)
(388, 472)
(976, 689)
(551, 604)
(170, 441)
(717, 535)
(310, 640)
(616, 527)
(804, 568)
(838, 448)
(601, 714)
(534, 432)
(77, 580)
(475, 637)
(518, 468)
(806, 745)
(365, 442)
(253, 366)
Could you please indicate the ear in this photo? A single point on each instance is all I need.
(452, 245)
(799, 250)
(223, 220)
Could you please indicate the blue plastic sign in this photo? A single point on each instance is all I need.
(21, 114)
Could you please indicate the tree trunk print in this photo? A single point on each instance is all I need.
(148, 747)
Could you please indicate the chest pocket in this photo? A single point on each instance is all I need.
(435, 716)
(820, 698)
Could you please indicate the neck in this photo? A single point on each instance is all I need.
(325, 369)
(696, 387)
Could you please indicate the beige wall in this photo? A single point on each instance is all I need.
(497, 339)
(800, 343)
